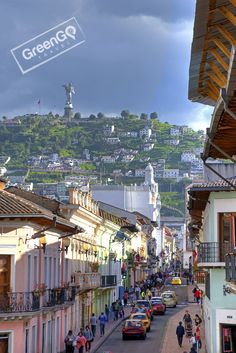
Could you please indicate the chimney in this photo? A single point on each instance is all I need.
(2, 183)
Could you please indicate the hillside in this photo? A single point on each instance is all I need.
(116, 149)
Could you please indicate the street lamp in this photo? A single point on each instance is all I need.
(66, 244)
(43, 243)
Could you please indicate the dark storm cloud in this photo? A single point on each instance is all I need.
(136, 56)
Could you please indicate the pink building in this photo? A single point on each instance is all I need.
(35, 295)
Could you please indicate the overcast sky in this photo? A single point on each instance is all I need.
(136, 56)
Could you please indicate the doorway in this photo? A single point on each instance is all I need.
(228, 338)
(4, 343)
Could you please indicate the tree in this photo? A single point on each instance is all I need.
(4, 118)
(92, 116)
(77, 115)
(144, 116)
(153, 115)
(125, 114)
(100, 115)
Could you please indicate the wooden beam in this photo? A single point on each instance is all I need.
(211, 95)
(215, 79)
(213, 88)
(226, 34)
(219, 58)
(222, 47)
(233, 2)
(217, 71)
(228, 14)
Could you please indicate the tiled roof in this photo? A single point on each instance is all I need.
(214, 185)
(14, 205)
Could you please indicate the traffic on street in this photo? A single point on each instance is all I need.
(152, 343)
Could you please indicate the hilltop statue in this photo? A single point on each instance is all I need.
(68, 110)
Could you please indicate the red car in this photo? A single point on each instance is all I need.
(133, 328)
(158, 305)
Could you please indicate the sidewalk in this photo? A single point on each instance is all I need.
(109, 328)
(170, 343)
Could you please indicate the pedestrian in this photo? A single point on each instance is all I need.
(69, 340)
(194, 294)
(117, 307)
(180, 333)
(93, 324)
(126, 296)
(197, 320)
(121, 311)
(137, 292)
(143, 294)
(102, 319)
(149, 294)
(89, 338)
(193, 342)
(107, 312)
(198, 295)
(81, 341)
(198, 337)
(187, 319)
(113, 309)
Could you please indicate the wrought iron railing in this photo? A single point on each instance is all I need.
(90, 280)
(108, 281)
(212, 252)
(16, 302)
(200, 277)
(230, 267)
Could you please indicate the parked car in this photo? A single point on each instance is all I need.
(147, 304)
(159, 307)
(176, 280)
(142, 317)
(133, 328)
(170, 299)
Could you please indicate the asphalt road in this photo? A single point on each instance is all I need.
(153, 342)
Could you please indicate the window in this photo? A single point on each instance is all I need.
(34, 339)
(4, 343)
(58, 335)
(29, 269)
(45, 270)
(44, 337)
(27, 340)
(54, 272)
(208, 292)
(35, 270)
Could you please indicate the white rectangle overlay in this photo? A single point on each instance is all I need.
(48, 45)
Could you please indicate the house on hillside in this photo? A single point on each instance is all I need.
(171, 173)
(112, 140)
(145, 132)
(108, 130)
(108, 159)
(175, 131)
(171, 142)
(187, 157)
(148, 147)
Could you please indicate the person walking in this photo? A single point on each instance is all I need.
(69, 340)
(102, 319)
(180, 333)
(93, 324)
(187, 320)
(198, 337)
(149, 294)
(81, 341)
(126, 297)
(107, 312)
(193, 342)
(197, 320)
(89, 338)
(143, 294)
(198, 295)
(117, 307)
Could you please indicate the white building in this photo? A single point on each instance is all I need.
(139, 173)
(145, 132)
(127, 158)
(108, 159)
(187, 157)
(172, 142)
(144, 199)
(108, 129)
(112, 140)
(171, 173)
(174, 131)
(148, 147)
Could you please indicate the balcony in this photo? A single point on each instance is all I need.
(212, 254)
(87, 281)
(19, 302)
(28, 302)
(230, 268)
(108, 281)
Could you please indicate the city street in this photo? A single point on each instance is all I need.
(153, 342)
